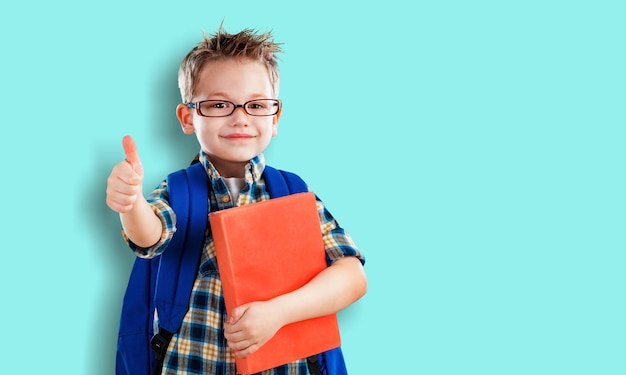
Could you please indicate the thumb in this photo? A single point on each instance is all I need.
(132, 156)
(237, 313)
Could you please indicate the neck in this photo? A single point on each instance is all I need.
(228, 168)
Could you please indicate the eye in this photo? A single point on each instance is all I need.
(256, 105)
(218, 105)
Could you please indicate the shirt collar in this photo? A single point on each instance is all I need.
(254, 168)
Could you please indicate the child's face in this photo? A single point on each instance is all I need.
(231, 141)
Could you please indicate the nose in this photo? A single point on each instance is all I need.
(242, 109)
(239, 118)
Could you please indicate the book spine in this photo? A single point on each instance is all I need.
(226, 270)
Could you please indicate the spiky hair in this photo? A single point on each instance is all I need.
(246, 44)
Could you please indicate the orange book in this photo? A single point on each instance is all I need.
(267, 249)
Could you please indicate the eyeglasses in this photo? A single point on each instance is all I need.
(223, 108)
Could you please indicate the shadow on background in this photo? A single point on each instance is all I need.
(118, 262)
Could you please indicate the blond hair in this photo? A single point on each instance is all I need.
(247, 44)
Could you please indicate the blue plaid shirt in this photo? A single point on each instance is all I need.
(199, 347)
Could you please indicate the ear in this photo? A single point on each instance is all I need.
(185, 117)
(275, 122)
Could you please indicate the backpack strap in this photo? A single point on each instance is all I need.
(188, 192)
(281, 183)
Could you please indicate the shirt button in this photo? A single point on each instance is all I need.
(225, 199)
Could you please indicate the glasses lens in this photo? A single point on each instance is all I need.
(262, 107)
(216, 108)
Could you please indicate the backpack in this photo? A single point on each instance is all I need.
(165, 282)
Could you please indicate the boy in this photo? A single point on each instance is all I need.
(229, 87)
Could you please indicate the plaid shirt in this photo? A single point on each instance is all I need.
(199, 347)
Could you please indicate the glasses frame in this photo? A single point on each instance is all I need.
(196, 106)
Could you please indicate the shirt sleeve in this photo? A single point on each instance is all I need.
(159, 201)
(337, 242)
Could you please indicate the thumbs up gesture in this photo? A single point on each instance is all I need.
(124, 185)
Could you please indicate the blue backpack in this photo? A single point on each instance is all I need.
(165, 282)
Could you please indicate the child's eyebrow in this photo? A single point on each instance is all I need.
(222, 94)
(225, 96)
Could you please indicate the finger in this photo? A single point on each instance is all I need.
(119, 199)
(117, 207)
(123, 176)
(247, 351)
(241, 345)
(132, 156)
(120, 203)
(123, 192)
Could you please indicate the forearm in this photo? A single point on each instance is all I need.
(332, 290)
(141, 224)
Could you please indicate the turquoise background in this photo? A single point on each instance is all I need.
(474, 150)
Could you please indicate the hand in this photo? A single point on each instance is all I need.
(124, 184)
(250, 326)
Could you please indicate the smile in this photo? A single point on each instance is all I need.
(237, 137)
